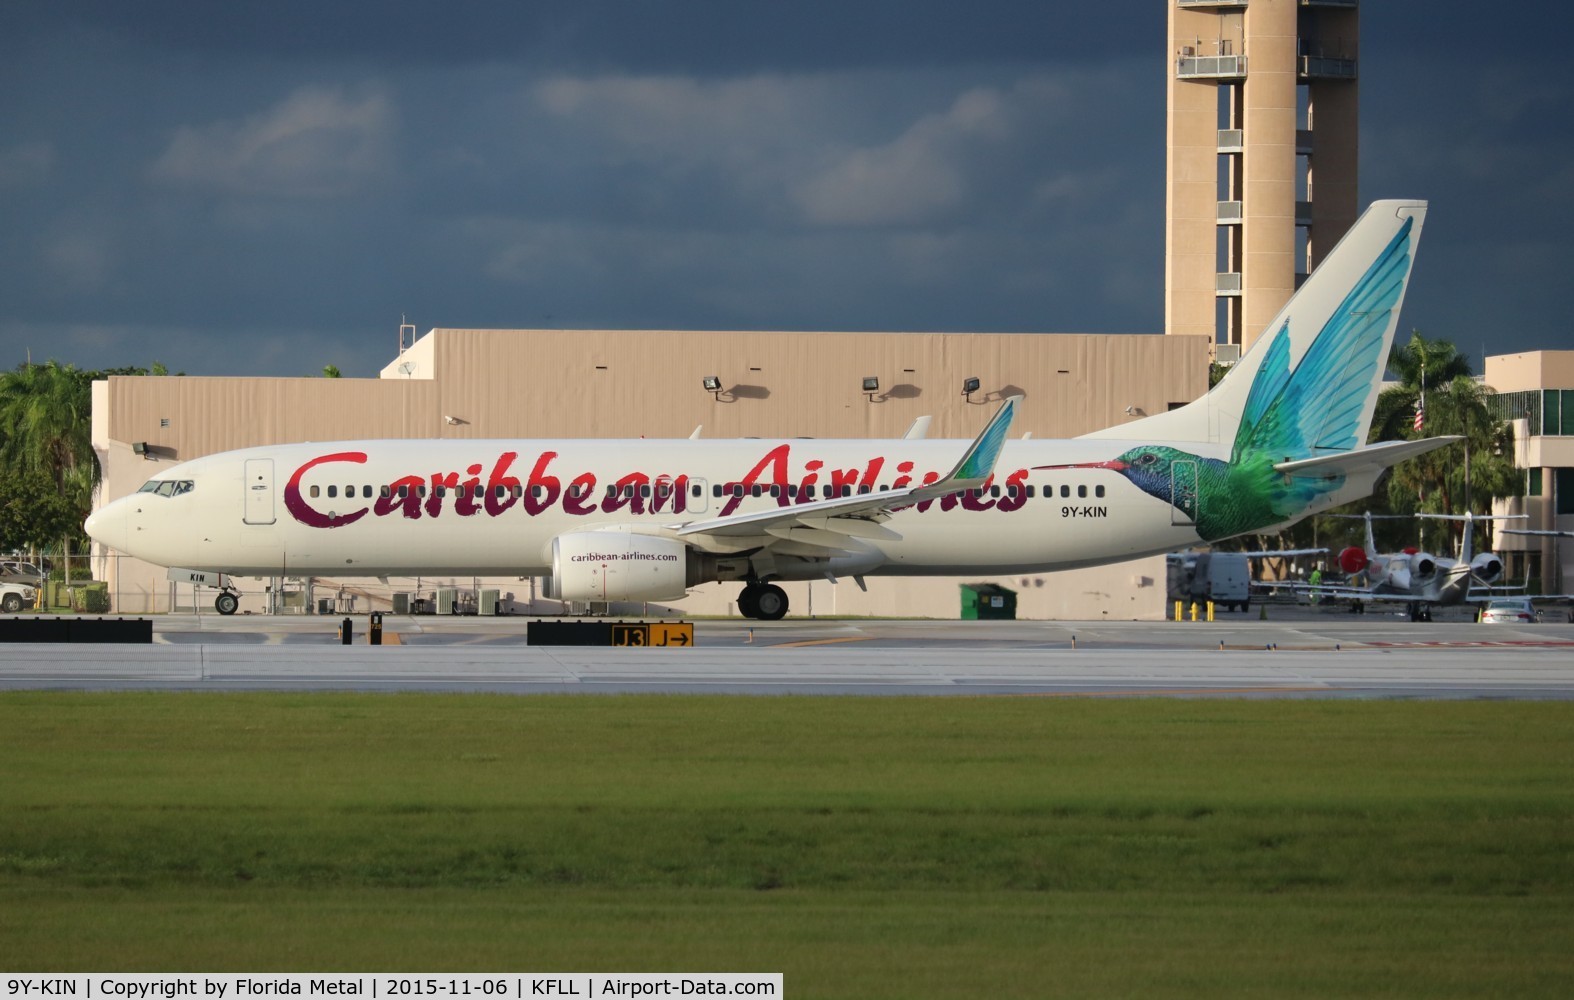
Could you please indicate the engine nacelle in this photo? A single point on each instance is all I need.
(1486, 567)
(614, 565)
(1352, 560)
(1423, 567)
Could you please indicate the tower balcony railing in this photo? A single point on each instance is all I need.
(1303, 213)
(1229, 213)
(1227, 283)
(1303, 141)
(1194, 67)
(1325, 3)
(1212, 3)
(1231, 140)
(1326, 68)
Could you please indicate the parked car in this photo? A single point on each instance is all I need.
(16, 596)
(16, 571)
(1511, 610)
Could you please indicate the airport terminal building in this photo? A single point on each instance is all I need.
(563, 384)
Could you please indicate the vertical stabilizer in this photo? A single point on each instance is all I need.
(1309, 383)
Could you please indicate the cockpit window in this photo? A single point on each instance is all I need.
(167, 487)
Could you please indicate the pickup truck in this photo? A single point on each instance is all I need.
(16, 596)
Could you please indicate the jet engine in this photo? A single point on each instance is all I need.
(1423, 567)
(1486, 567)
(1352, 560)
(613, 565)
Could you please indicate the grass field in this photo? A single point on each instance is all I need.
(864, 847)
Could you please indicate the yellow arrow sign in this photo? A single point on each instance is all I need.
(657, 634)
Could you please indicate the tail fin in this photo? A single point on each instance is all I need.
(1309, 383)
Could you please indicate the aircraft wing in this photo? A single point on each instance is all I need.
(1373, 459)
(858, 516)
(1328, 590)
(1277, 553)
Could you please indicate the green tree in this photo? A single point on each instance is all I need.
(1467, 475)
(33, 514)
(1434, 362)
(46, 431)
(45, 413)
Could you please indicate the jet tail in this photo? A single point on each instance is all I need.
(1308, 385)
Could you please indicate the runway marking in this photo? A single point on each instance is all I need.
(818, 642)
(1421, 643)
(1261, 647)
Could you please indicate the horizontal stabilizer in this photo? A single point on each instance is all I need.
(1371, 460)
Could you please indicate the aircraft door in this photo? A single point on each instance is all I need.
(258, 505)
(699, 497)
(1184, 496)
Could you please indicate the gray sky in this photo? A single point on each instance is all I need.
(266, 188)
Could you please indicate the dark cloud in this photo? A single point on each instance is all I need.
(268, 188)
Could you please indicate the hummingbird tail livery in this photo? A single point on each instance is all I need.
(1282, 436)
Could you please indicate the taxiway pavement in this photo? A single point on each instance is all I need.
(1300, 653)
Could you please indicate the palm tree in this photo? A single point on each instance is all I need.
(45, 413)
(1466, 476)
(1420, 362)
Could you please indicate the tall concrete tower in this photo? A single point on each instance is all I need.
(1261, 165)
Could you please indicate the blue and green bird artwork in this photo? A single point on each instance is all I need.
(1315, 409)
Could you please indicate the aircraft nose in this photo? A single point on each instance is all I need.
(107, 525)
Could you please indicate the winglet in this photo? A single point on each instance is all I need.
(978, 464)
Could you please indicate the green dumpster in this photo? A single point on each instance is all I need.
(987, 601)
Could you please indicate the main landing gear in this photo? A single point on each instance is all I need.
(226, 602)
(764, 601)
(1420, 612)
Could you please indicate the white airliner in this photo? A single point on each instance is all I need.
(1283, 436)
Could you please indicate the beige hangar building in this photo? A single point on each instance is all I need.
(1261, 180)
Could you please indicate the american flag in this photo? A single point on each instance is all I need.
(1420, 413)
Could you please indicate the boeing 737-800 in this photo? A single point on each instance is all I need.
(1281, 437)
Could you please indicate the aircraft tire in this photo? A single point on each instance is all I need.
(226, 603)
(770, 603)
(749, 601)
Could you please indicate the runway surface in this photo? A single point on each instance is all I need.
(1301, 653)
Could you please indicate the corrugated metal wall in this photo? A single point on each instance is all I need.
(620, 383)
